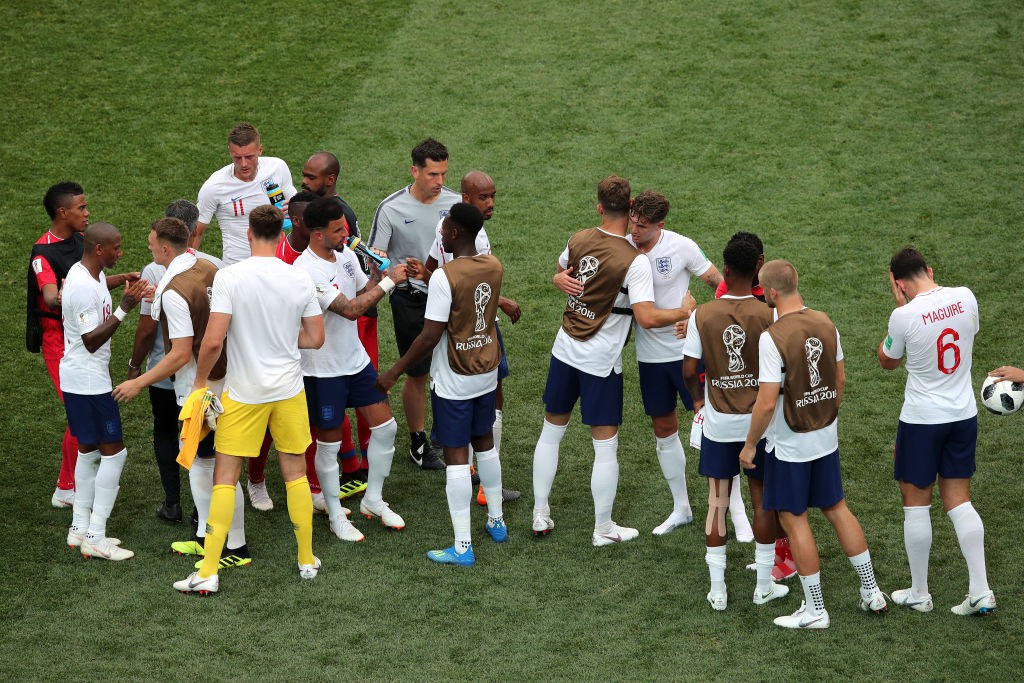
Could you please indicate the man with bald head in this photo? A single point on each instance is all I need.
(479, 191)
(89, 323)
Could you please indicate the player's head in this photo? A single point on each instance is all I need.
(265, 223)
(168, 238)
(478, 190)
(320, 173)
(325, 220)
(758, 244)
(613, 196)
(461, 226)
(185, 211)
(65, 203)
(740, 258)
(102, 245)
(429, 167)
(779, 279)
(297, 211)
(245, 150)
(647, 216)
(908, 264)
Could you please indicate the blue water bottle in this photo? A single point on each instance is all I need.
(276, 196)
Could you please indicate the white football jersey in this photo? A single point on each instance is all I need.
(936, 332)
(342, 353)
(85, 304)
(673, 260)
(232, 200)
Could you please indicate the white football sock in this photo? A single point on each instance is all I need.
(85, 490)
(672, 458)
(764, 559)
(236, 532)
(488, 466)
(379, 454)
(917, 539)
(496, 430)
(715, 557)
(459, 489)
(200, 480)
(326, 465)
(738, 512)
(862, 565)
(971, 534)
(813, 597)
(604, 479)
(545, 463)
(108, 480)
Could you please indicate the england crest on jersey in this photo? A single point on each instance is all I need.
(663, 264)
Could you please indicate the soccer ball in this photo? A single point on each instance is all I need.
(1001, 396)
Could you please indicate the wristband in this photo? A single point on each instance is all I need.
(120, 313)
(387, 284)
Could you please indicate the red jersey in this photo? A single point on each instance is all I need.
(53, 330)
(285, 252)
(757, 290)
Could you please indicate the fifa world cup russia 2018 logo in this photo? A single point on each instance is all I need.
(587, 269)
(734, 338)
(481, 296)
(813, 348)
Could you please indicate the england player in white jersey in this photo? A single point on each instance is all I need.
(232, 192)
(586, 358)
(93, 416)
(934, 327)
(339, 375)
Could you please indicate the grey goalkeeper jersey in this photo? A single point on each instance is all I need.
(403, 226)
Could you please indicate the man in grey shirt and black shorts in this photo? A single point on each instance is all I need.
(404, 226)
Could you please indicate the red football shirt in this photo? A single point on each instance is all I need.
(53, 330)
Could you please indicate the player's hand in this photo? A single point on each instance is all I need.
(689, 303)
(510, 308)
(415, 269)
(400, 273)
(1009, 373)
(134, 372)
(698, 403)
(136, 292)
(897, 293)
(567, 283)
(747, 457)
(127, 390)
(681, 327)
(385, 381)
(378, 252)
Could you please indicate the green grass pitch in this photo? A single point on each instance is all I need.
(838, 130)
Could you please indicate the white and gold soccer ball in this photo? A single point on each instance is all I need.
(1001, 396)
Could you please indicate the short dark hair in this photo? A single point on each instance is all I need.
(613, 195)
(741, 257)
(651, 206)
(428, 149)
(907, 263)
(265, 221)
(321, 212)
(58, 195)
(466, 217)
(750, 237)
(297, 204)
(173, 231)
(185, 211)
(244, 133)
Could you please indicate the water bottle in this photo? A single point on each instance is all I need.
(276, 196)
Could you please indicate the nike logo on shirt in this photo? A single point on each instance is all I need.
(408, 221)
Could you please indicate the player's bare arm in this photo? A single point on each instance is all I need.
(369, 295)
(115, 281)
(1008, 373)
(682, 325)
(145, 337)
(884, 360)
(173, 361)
(210, 349)
(51, 296)
(420, 347)
(761, 417)
(134, 293)
(510, 308)
(712, 278)
(691, 378)
(418, 270)
(197, 236)
(647, 315)
(311, 334)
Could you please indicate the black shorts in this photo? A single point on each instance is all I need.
(407, 311)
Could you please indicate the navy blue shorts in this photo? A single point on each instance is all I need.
(93, 419)
(600, 397)
(660, 383)
(503, 371)
(795, 486)
(328, 397)
(924, 451)
(457, 422)
(721, 459)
